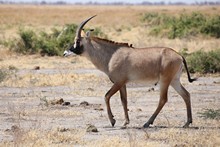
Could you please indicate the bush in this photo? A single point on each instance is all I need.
(183, 25)
(210, 114)
(51, 44)
(212, 27)
(203, 62)
(50, 48)
(66, 37)
(28, 42)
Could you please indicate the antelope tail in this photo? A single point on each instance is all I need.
(187, 71)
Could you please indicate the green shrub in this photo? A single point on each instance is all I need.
(55, 43)
(203, 62)
(183, 25)
(51, 44)
(186, 25)
(66, 37)
(50, 48)
(27, 43)
(212, 27)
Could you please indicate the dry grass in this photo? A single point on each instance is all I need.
(60, 15)
(124, 25)
(27, 122)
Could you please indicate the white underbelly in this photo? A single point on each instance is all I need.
(143, 80)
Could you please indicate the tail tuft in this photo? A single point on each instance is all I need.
(192, 80)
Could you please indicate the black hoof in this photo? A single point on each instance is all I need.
(146, 125)
(113, 122)
(187, 124)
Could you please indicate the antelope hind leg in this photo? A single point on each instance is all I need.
(186, 97)
(123, 95)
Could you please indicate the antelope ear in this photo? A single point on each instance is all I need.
(88, 33)
(83, 34)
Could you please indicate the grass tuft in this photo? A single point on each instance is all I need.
(210, 114)
(3, 75)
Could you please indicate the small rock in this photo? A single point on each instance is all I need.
(90, 89)
(99, 109)
(11, 67)
(37, 68)
(151, 89)
(66, 103)
(62, 129)
(91, 128)
(15, 128)
(216, 82)
(139, 109)
(84, 103)
(7, 130)
(57, 102)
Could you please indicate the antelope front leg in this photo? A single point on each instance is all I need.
(108, 95)
(110, 115)
(123, 95)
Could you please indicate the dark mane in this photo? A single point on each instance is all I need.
(112, 42)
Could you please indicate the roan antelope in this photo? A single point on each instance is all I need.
(124, 63)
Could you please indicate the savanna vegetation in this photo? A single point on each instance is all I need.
(50, 44)
(184, 25)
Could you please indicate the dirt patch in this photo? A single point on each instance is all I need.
(26, 120)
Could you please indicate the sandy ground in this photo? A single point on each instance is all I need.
(29, 119)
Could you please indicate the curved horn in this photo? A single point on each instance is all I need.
(78, 32)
